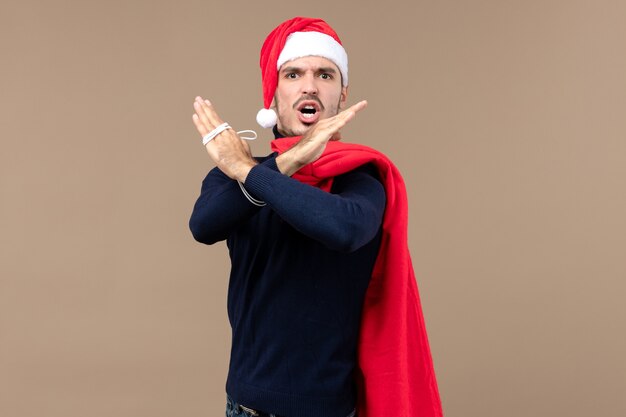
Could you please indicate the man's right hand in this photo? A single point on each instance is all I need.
(313, 143)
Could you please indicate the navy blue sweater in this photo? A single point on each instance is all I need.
(300, 269)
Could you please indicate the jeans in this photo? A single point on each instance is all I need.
(235, 410)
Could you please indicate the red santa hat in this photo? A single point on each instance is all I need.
(296, 38)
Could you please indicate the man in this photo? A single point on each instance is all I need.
(322, 302)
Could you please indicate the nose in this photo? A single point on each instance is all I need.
(309, 84)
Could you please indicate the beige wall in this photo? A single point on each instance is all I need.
(506, 118)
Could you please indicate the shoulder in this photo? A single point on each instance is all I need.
(367, 170)
(363, 180)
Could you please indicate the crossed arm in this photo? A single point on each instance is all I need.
(344, 220)
(232, 155)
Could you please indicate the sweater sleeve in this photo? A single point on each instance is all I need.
(221, 207)
(343, 220)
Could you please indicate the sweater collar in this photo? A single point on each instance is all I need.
(277, 134)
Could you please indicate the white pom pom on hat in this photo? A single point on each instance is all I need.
(266, 118)
(296, 38)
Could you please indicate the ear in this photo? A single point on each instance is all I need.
(344, 97)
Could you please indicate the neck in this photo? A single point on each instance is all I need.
(278, 134)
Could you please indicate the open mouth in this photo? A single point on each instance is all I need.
(309, 111)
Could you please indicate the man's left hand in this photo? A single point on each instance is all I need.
(230, 153)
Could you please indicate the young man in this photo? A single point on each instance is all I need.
(322, 298)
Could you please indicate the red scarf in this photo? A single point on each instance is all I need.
(396, 374)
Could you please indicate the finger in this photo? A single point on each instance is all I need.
(202, 116)
(340, 120)
(199, 106)
(209, 111)
(328, 129)
(202, 129)
(351, 111)
(335, 123)
(358, 106)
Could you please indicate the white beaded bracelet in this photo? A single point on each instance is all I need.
(213, 133)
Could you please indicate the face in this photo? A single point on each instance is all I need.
(309, 90)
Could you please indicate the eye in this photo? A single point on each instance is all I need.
(291, 75)
(326, 76)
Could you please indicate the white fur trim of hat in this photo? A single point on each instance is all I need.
(301, 44)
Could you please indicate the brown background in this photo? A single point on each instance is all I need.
(506, 118)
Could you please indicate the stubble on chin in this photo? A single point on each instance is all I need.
(296, 132)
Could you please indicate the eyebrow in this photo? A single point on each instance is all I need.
(329, 70)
